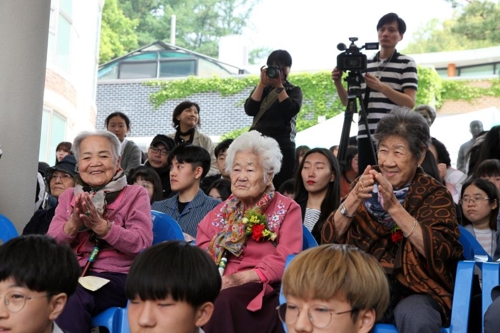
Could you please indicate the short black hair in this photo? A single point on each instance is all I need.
(181, 107)
(288, 186)
(150, 175)
(351, 152)
(280, 57)
(222, 147)
(194, 155)
(176, 269)
(443, 154)
(430, 167)
(223, 186)
(392, 17)
(38, 263)
(488, 168)
(118, 114)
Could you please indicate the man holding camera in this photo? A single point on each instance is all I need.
(274, 105)
(390, 80)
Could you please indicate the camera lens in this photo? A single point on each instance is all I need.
(272, 72)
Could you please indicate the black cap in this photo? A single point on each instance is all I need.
(67, 164)
(165, 140)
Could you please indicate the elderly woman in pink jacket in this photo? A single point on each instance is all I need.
(106, 222)
(249, 237)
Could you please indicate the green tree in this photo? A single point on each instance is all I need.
(478, 19)
(436, 36)
(199, 23)
(117, 32)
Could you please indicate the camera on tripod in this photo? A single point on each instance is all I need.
(352, 59)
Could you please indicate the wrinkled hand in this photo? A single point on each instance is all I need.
(91, 217)
(337, 75)
(237, 279)
(374, 83)
(385, 190)
(364, 186)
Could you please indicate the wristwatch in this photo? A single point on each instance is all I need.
(343, 211)
(280, 89)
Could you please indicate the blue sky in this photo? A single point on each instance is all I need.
(310, 30)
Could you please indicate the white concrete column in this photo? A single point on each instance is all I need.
(24, 26)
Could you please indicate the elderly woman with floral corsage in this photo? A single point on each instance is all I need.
(407, 220)
(106, 222)
(249, 237)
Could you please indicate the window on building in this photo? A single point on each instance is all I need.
(137, 70)
(482, 70)
(177, 68)
(60, 30)
(53, 132)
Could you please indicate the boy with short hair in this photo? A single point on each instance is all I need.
(171, 287)
(220, 161)
(333, 288)
(37, 276)
(188, 166)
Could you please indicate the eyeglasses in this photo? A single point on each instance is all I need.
(472, 200)
(61, 175)
(15, 301)
(319, 316)
(155, 150)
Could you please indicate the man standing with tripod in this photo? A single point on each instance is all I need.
(391, 80)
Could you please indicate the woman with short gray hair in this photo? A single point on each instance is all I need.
(253, 232)
(106, 222)
(407, 220)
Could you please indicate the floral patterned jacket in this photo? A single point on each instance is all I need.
(284, 218)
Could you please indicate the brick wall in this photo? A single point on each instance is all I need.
(453, 107)
(218, 114)
(60, 85)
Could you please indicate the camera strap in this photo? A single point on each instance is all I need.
(265, 105)
(366, 100)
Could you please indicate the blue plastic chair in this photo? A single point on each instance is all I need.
(308, 240)
(110, 319)
(472, 249)
(490, 279)
(165, 228)
(7, 229)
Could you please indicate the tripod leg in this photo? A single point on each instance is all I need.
(366, 146)
(346, 129)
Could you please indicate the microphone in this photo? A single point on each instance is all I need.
(341, 47)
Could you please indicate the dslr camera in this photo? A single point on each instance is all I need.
(272, 72)
(352, 59)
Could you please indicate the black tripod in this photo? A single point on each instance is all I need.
(354, 80)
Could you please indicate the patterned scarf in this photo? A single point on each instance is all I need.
(103, 195)
(232, 237)
(375, 205)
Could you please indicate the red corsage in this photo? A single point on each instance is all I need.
(397, 235)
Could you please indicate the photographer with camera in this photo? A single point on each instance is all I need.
(391, 80)
(274, 105)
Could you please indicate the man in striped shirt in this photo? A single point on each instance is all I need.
(391, 80)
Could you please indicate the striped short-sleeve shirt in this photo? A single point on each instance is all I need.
(399, 73)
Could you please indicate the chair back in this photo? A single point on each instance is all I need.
(490, 279)
(165, 228)
(7, 229)
(472, 249)
(308, 240)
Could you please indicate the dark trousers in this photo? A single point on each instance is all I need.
(287, 165)
(365, 155)
(85, 304)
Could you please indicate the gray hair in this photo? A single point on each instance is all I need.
(407, 124)
(429, 109)
(113, 141)
(267, 149)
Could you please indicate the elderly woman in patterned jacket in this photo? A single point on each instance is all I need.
(249, 237)
(407, 220)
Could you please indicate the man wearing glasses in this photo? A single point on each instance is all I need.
(158, 160)
(333, 288)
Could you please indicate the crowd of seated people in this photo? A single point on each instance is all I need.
(389, 231)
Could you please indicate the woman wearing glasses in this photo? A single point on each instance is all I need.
(59, 178)
(158, 160)
(479, 202)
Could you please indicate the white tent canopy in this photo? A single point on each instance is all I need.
(451, 130)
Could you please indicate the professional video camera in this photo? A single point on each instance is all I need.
(352, 59)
